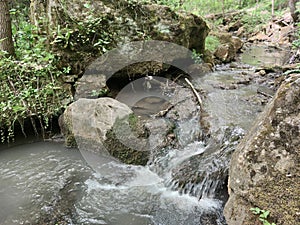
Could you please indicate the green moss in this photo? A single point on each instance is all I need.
(130, 129)
(133, 120)
(284, 204)
(211, 43)
(70, 142)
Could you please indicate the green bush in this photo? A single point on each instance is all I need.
(253, 21)
(29, 82)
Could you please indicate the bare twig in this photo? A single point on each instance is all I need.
(162, 113)
(195, 93)
(168, 109)
(180, 75)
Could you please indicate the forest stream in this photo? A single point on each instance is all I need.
(45, 183)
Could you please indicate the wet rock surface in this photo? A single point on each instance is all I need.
(205, 174)
(62, 208)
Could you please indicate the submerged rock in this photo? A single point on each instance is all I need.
(265, 168)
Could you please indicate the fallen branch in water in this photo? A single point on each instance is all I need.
(162, 113)
(195, 93)
(169, 108)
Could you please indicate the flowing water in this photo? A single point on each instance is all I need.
(44, 183)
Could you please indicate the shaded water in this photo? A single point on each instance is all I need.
(229, 106)
(261, 55)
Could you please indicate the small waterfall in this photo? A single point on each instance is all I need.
(199, 169)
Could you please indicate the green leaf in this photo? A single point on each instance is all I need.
(255, 210)
(264, 214)
(86, 5)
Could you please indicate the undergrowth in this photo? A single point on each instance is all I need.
(262, 215)
(29, 82)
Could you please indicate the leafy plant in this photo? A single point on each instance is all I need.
(100, 93)
(197, 57)
(30, 85)
(263, 215)
(172, 3)
(93, 35)
(253, 21)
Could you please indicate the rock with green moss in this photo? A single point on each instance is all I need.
(86, 122)
(128, 141)
(265, 168)
(105, 125)
(230, 45)
(83, 30)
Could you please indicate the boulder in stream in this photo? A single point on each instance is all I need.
(230, 45)
(90, 119)
(265, 168)
(105, 125)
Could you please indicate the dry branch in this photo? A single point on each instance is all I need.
(195, 93)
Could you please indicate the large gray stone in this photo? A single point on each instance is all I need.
(265, 168)
(105, 126)
(86, 121)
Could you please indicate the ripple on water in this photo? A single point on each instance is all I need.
(38, 182)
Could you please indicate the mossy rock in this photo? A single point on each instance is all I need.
(127, 141)
(265, 167)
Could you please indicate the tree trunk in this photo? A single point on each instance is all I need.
(6, 41)
(292, 6)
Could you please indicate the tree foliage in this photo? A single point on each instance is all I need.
(204, 7)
